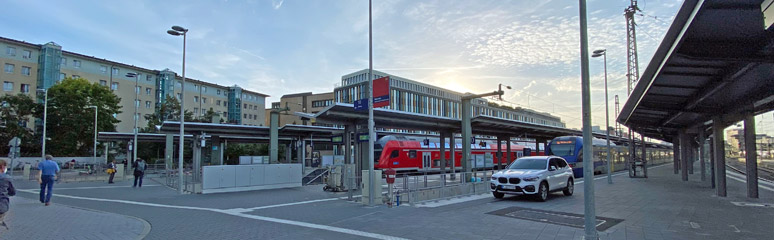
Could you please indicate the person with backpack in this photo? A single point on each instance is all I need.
(139, 171)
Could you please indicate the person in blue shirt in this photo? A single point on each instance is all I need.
(46, 177)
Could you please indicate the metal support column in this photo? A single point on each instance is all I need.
(691, 154)
(274, 136)
(712, 161)
(508, 150)
(720, 155)
(537, 146)
(644, 157)
(197, 162)
(442, 141)
(751, 155)
(169, 151)
(288, 154)
(702, 151)
(215, 155)
(499, 153)
(685, 146)
(301, 152)
(452, 155)
(467, 135)
(676, 153)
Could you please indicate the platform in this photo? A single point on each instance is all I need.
(659, 207)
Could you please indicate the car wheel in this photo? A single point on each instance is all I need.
(542, 193)
(498, 194)
(570, 188)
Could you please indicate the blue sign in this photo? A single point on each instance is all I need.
(361, 104)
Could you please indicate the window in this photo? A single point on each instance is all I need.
(25, 88)
(63, 61)
(62, 76)
(115, 71)
(7, 86)
(149, 78)
(77, 63)
(394, 154)
(179, 96)
(245, 107)
(217, 102)
(179, 84)
(148, 91)
(245, 115)
(103, 83)
(204, 88)
(137, 89)
(204, 100)
(218, 91)
(9, 68)
(413, 154)
(103, 69)
(76, 76)
(196, 111)
(137, 103)
(25, 71)
(147, 104)
(196, 98)
(196, 87)
(26, 54)
(11, 51)
(114, 86)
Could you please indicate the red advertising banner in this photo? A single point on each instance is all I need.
(382, 92)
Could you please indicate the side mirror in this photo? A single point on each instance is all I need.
(552, 168)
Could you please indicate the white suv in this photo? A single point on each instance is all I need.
(535, 176)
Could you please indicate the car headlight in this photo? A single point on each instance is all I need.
(531, 179)
(494, 178)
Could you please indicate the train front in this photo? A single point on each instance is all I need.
(568, 148)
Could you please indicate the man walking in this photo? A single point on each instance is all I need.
(112, 171)
(139, 171)
(46, 176)
(6, 190)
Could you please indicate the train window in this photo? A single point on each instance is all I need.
(580, 156)
(413, 154)
(394, 154)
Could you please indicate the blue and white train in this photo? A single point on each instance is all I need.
(571, 149)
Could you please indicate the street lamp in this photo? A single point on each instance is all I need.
(178, 31)
(603, 53)
(136, 105)
(45, 115)
(95, 132)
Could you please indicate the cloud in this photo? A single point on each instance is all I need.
(277, 4)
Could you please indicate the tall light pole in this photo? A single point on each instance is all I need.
(95, 132)
(603, 53)
(45, 116)
(178, 31)
(370, 113)
(136, 105)
(589, 211)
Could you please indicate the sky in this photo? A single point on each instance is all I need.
(279, 47)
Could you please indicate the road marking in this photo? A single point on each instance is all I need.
(235, 212)
(78, 188)
(735, 228)
(731, 176)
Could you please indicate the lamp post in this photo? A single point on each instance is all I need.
(95, 132)
(178, 31)
(136, 105)
(603, 53)
(45, 116)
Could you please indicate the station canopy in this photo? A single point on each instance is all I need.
(716, 58)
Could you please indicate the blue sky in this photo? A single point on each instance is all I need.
(281, 47)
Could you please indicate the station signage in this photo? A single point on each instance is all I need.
(361, 105)
(382, 92)
(362, 137)
(337, 139)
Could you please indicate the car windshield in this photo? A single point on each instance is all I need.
(529, 163)
(563, 149)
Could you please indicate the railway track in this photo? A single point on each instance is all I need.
(767, 178)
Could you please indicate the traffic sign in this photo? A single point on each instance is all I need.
(361, 104)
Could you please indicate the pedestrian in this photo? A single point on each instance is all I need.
(139, 172)
(112, 171)
(6, 190)
(46, 176)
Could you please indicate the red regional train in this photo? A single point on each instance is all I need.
(405, 154)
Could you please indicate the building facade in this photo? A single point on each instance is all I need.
(28, 67)
(306, 102)
(412, 96)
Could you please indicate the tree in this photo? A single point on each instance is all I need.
(70, 122)
(168, 111)
(15, 112)
(208, 116)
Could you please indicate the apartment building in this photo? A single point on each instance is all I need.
(307, 102)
